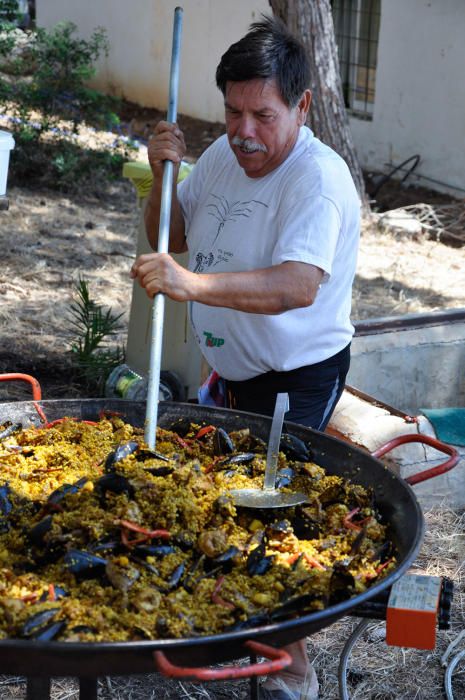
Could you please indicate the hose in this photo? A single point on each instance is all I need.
(450, 666)
(344, 658)
(385, 178)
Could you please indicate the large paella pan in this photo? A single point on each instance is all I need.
(395, 503)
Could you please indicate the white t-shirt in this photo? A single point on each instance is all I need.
(306, 210)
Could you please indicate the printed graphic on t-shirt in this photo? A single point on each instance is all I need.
(211, 341)
(223, 211)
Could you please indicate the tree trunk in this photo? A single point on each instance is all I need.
(312, 22)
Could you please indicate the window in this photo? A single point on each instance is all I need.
(356, 25)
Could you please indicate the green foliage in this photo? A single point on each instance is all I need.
(9, 13)
(43, 88)
(94, 327)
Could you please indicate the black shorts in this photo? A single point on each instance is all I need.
(314, 391)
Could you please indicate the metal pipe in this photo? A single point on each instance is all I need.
(158, 308)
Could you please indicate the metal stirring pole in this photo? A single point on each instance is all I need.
(158, 308)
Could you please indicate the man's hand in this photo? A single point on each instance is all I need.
(166, 143)
(159, 272)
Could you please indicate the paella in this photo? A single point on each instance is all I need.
(103, 539)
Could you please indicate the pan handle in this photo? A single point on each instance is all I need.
(425, 439)
(279, 659)
(36, 390)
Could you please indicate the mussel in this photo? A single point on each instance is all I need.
(84, 564)
(294, 448)
(222, 443)
(121, 452)
(341, 584)
(143, 455)
(66, 489)
(115, 483)
(181, 426)
(294, 606)
(42, 627)
(257, 563)
(5, 507)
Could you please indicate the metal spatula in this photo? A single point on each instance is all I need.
(158, 308)
(269, 496)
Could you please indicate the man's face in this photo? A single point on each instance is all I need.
(261, 128)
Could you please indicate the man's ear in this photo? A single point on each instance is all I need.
(303, 107)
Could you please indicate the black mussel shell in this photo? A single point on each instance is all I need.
(238, 458)
(142, 455)
(62, 491)
(305, 528)
(49, 632)
(294, 606)
(284, 477)
(5, 503)
(222, 443)
(257, 563)
(181, 426)
(115, 483)
(107, 545)
(176, 576)
(356, 544)
(294, 448)
(383, 553)
(154, 550)
(37, 533)
(279, 527)
(120, 453)
(37, 621)
(224, 561)
(84, 564)
(253, 621)
(160, 471)
(341, 584)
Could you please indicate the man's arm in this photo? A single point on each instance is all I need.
(270, 290)
(167, 143)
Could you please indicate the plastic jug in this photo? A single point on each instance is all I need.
(7, 142)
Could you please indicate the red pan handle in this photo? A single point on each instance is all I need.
(36, 390)
(279, 659)
(425, 439)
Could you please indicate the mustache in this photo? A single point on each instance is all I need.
(248, 145)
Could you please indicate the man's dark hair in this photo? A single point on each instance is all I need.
(267, 51)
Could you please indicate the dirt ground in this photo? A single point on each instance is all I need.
(49, 241)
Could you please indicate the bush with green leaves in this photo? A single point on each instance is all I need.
(43, 88)
(94, 328)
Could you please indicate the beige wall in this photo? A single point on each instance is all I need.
(420, 88)
(420, 93)
(140, 35)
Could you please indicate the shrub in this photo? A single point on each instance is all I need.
(94, 327)
(43, 89)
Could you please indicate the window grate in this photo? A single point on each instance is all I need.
(356, 26)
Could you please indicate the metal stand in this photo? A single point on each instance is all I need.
(38, 688)
(253, 680)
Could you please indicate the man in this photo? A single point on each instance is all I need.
(270, 217)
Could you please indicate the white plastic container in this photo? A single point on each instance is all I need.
(7, 142)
